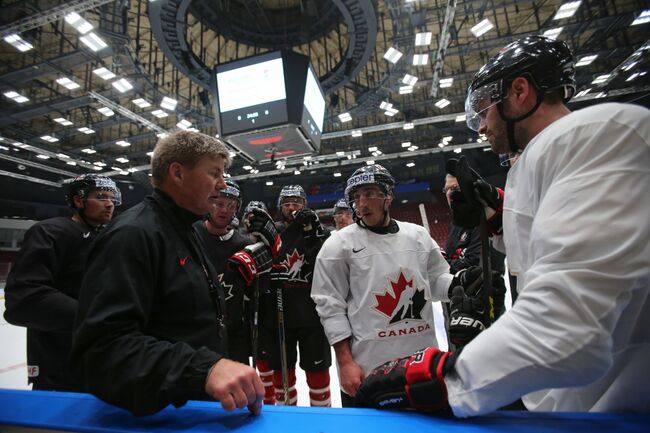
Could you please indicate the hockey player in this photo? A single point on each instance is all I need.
(239, 261)
(43, 285)
(342, 214)
(575, 230)
(302, 237)
(373, 281)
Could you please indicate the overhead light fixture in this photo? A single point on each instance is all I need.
(345, 117)
(106, 111)
(16, 41)
(340, 153)
(553, 33)
(89, 151)
(643, 18)
(393, 55)
(94, 42)
(247, 167)
(150, 154)
(67, 83)
(446, 82)
(630, 65)
(122, 159)
(168, 103)
(482, 28)
(337, 174)
(405, 90)
(409, 80)
(76, 21)
(412, 148)
(184, 124)
(422, 39)
(635, 75)
(71, 163)
(420, 59)
(17, 97)
(582, 92)
(356, 133)
(408, 125)
(296, 172)
(104, 73)
(142, 103)
(63, 121)
(567, 10)
(372, 149)
(123, 143)
(586, 60)
(391, 112)
(99, 164)
(410, 164)
(159, 113)
(458, 150)
(406, 144)
(86, 130)
(447, 139)
(269, 183)
(41, 156)
(601, 79)
(62, 156)
(442, 103)
(370, 162)
(162, 134)
(122, 85)
(385, 105)
(116, 168)
(49, 138)
(461, 118)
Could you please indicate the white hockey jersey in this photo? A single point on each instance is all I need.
(376, 290)
(576, 231)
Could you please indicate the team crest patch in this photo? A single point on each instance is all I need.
(402, 301)
(227, 288)
(293, 264)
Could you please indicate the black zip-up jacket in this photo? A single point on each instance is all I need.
(147, 330)
(463, 248)
(41, 295)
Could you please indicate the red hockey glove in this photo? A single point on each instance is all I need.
(260, 224)
(250, 262)
(412, 382)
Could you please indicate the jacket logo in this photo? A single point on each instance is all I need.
(227, 288)
(183, 260)
(354, 250)
(86, 235)
(401, 302)
(293, 265)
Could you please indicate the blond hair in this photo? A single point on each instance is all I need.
(186, 148)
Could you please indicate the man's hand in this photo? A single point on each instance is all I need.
(310, 223)
(250, 262)
(351, 376)
(261, 225)
(412, 382)
(235, 385)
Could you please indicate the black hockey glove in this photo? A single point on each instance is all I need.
(469, 279)
(310, 223)
(466, 214)
(250, 262)
(466, 316)
(260, 224)
(415, 381)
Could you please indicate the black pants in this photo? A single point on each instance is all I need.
(346, 400)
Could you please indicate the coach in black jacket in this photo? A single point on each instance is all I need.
(149, 329)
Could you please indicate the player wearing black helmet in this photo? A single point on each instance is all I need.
(575, 231)
(373, 281)
(43, 285)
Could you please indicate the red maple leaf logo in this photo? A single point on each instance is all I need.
(386, 303)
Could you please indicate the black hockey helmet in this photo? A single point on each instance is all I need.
(369, 175)
(548, 64)
(254, 205)
(86, 183)
(292, 191)
(232, 190)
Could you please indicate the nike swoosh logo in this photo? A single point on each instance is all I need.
(183, 260)
(360, 249)
(320, 361)
(86, 235)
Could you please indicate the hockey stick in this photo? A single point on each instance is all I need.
(283, 346)
(466, 178)
(254, 321)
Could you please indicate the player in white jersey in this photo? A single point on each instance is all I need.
(374, 280)
(575, 230)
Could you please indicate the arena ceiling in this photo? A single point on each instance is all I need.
(54, 122)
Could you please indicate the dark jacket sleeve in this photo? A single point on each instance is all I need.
(115, 356)
(32, 300)
(472, 255)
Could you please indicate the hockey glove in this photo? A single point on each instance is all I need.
(469, 279)
(250, 262)
(310, 223)
(466, 316)
(466, 214)
(415, 381)
(260, 224)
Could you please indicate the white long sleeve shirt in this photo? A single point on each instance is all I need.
(577, 235)
(375, 289)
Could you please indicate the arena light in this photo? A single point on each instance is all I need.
(41, 156)
(345, 117)
(567, 10)
(104, 74)
(391, 112)
(446, 82)
(142, 103)
(63, 121)
(356, 133)
(80, 24)
(586, 60)
(269, 183)
(337, 174)
(482, 28)
(385, 105)
(420, 59)
(636, 75)
(406, 144)
(17, 97)
(122, 85)
(643, 18)
(67, 83)
(601, 79)
(461, 118)
(122, 159)
(393, 55)
(16, 41)
(89, 151)
(184, 124)
(410, 164)
(409, 80)
(86, 130)
(583, 92)
(49, 138)
(408, 125)
(442, 103)
(94, 42)
(405, 90)
(123, 143)
(553, 33)
(159, 113)
(168, 103)
(422, 39)
(106, 111)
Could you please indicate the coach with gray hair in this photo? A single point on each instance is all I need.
(149, 330)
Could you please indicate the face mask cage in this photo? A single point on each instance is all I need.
(480, 100)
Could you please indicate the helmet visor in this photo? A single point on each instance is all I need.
(479, 101)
